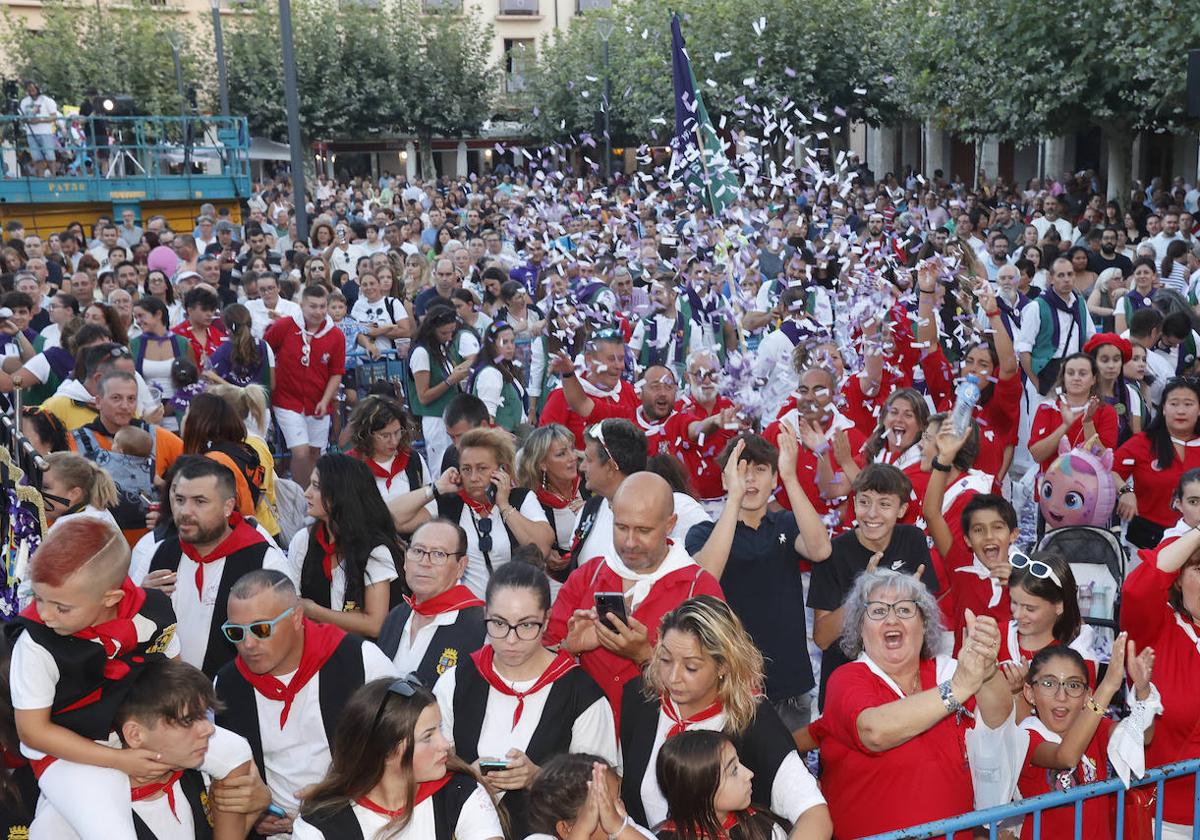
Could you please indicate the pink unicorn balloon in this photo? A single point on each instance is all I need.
(1078, 488)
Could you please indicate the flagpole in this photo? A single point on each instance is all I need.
(712, 205)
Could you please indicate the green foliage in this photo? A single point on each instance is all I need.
(362, 70)
(119, 50)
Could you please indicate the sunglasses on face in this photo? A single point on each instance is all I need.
(260, 629)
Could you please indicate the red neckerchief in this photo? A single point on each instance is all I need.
(483, 657)
(555, 501)
(680, 724)
(455, 598)
(424, 791)
(243, 535)
(168, 787)
(726, 826)
(330, 549)
(117, 635)
(399, 464)
(320, 641)
(482, 509)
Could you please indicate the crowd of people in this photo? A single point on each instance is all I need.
(531, 507)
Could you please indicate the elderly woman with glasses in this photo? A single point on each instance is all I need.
(898, 719)
(514, 704)
(480, 496)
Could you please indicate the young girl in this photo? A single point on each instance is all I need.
(394, 775)
(357, 340)
(1074, 410)
(708, 792)
(1070, 736)
(1112, 353)
(1045, 610)
(576, 796)
(497, 378)
(242, 360)
(433, 377)
(1143, 285)
(74, 486)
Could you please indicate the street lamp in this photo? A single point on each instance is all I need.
(605, 28)
(219, 44)
(292, 101)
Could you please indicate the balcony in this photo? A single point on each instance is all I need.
(518, 8)
(585, 6)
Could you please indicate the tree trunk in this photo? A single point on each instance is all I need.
(428, 169)
(1120, 144)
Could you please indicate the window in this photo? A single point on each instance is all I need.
(452, 6)
(518, 7)
(519, 60)
(583, 6)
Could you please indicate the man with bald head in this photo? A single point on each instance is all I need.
(652, 573)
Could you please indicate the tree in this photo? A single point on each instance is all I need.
(120, 51)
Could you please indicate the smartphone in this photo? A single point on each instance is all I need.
(490, 492)
(341, 234)
(491, 765)
(614, 603)
(275, 811)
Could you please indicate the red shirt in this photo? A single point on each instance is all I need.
(1092, 767)
(1150, 621)
(609, 670)
(967, 591)
(623, 404)
(806, 461)
(926, 778)
(699, 456)
(213, 339)
(656, 433)
(299, 387)
(1048, 418)
(1154, 487)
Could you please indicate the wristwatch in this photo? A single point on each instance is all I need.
(1094, 706)
(624, 825)
(940, 467)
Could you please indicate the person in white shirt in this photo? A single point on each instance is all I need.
(40, 120)
(270, 306)
(385, 316)
(1051, 218)
(1168, 234)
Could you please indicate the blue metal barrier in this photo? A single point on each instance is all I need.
(992, 817)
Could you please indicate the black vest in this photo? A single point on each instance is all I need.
(447, 805)
(249, 559)
(762, 747)
(196, 795)
(340, 676)
(15, 816)
(315, 586)
(450, 506)
(570, 696)
(85, 701)
(449, 646)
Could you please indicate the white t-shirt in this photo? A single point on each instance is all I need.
(489, 387)
(599, 542)
(381, 568)
(385, 312)
(592, 732)
(260, 321)
(793, 791)
(477, 820)
(298, 754)
(42, 106)
(400, 480)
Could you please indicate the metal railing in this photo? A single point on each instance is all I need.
(993, 817)
(21, 448)
(100, 148)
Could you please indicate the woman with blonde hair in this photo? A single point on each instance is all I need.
(706, 673)
(74, 486)
(416, 277)
(480, 495)
(549, 466)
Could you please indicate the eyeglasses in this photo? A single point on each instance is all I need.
(1073, 687)
(259, 629)
(435, 556)
(879, 610)
(483, 529)
(406, 687)
(1037, 568)
(705, 374)
(306, 354)
(526, 631)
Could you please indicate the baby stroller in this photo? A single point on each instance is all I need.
(1099, 562)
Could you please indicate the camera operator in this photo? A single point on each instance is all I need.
(97, 134)
(40, 114)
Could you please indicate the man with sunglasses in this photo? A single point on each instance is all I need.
(285, 691)
(442, 621)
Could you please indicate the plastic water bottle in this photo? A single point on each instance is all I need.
(964, 405)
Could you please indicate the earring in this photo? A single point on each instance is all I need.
(545, 481)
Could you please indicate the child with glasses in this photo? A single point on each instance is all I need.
(513, 704)
(1071, 740)
(81, 644)
(1045, 609)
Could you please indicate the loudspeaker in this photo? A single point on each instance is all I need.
(1193, 84)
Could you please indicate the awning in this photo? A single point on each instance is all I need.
(263, 149)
